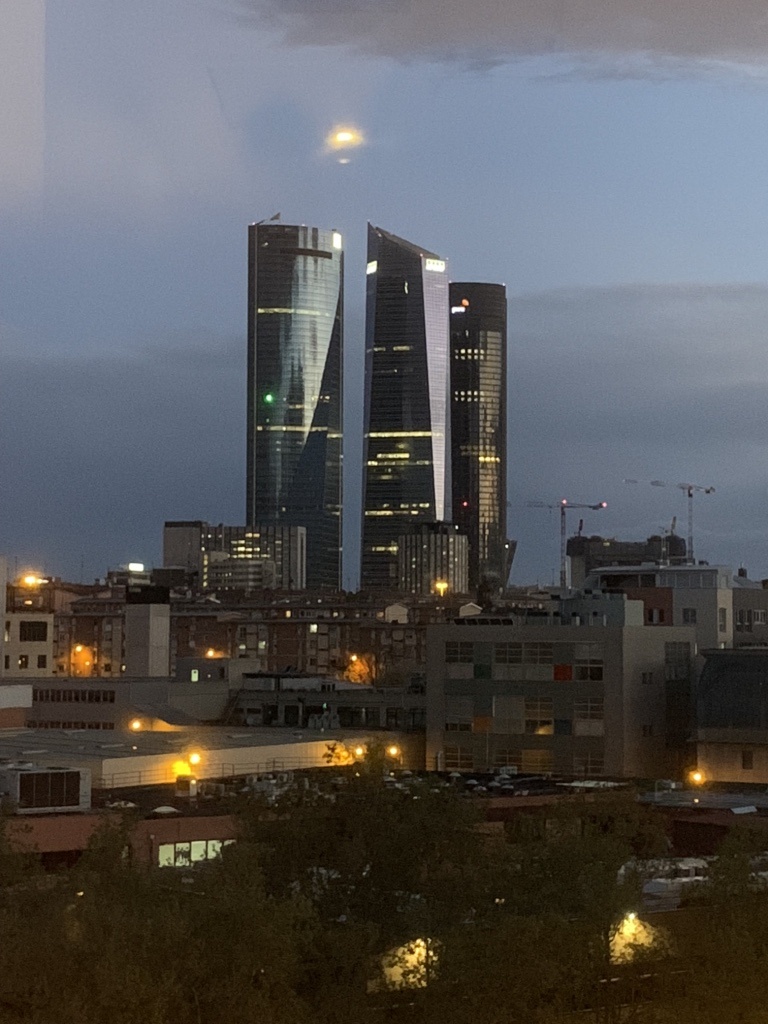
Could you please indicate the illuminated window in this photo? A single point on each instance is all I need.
(182, 855)
(539, 717)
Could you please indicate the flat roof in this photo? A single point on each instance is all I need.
(30, 744)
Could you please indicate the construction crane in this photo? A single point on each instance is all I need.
(564, 505)
(690, 490)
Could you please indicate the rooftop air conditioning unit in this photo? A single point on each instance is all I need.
(38, 790)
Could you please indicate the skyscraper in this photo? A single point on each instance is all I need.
(479, 427)
(295, 329)
(406, 475)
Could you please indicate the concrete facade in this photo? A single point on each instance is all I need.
(578, 700)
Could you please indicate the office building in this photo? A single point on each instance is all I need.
(432, 559)
(478, 324)
(195, 545)
(295, 317)
(582, 689)
(732, 716)
(406, 467)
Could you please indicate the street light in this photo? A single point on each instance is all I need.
(697, 777)
(441, 586)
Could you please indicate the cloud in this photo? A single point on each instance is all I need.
(489, 30)
(22, 102)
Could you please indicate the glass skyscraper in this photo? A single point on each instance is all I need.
(479, 427)
(295, 328)
(406, 475)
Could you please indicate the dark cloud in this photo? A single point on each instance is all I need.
(499, 29)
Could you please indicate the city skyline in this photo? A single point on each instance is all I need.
(609, 172)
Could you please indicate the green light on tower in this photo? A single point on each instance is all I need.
(269, 398)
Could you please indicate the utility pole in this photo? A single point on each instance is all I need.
(564, 505)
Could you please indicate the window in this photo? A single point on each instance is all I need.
(759, 616)
(588, 660)
(586, 765)
(646, 678)
(458, 758)
(7, 661)
(589, 709)
(508, 653)
(722, 620)
(459, 652)
(539, 717)
(655, 616)
(23, 661)
(589, 716)
(747, 760)
(507, 758)
(33, 632)
(458, 714)
(42, 661)
(537, 762)
(677, 660)
(538, 654)
(182, 855)
(689, 616)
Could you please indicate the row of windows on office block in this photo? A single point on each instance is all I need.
(56, 724)
(183, 855)
(529, 762)
(532, 653)
(45, 696)
(23, 661)
(538, 718)
(580, 661)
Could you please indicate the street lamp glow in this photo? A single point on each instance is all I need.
(136, 724)
(394, 750)
(696, 777)
(194, 758)
(32, 580)
(359, 751)
(441, 586)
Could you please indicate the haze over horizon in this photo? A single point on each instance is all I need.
(607, 165)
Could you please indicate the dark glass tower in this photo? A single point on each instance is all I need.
(406, 477)
(479, 427)
(295, 317)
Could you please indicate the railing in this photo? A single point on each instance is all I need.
(223, 770)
